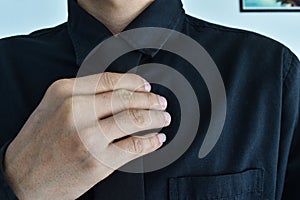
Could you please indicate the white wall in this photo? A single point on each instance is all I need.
(24, 16)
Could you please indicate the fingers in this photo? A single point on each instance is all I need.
(117, 101)
(106, 82)
(140, 145)
(110, 103)
(131, 148)
(132, 121)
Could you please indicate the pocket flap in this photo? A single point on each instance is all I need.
(243, 185)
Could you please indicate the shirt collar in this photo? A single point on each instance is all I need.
(86, 32)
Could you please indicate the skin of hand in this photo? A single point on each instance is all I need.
(54, 158)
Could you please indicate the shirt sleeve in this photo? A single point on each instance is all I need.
(6, 191)
(291, 123)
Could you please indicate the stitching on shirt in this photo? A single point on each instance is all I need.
(74, 44)
(177, 16)
(291, 66)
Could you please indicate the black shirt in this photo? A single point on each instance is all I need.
(258, 153)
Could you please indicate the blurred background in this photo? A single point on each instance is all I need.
(24, 16)
(265, 3)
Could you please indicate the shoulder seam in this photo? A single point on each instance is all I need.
(291, 66)
(212, 26)
(217, 27)
(37, 33)
(46, 31)
(228, 29)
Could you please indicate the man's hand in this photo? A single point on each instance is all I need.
(65, 148)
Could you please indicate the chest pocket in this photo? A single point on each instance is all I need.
(247, 185)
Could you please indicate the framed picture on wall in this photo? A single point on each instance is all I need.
(270, 5)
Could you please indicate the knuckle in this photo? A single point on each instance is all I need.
(108, 80)
(151, 99)
(125, 97)
(154, 142)
(160, 116)
(136, 145)
(61, 84)
(138, 117)
(61, 87)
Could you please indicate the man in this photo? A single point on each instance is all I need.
(48, 156)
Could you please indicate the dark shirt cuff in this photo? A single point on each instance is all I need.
(6, 191)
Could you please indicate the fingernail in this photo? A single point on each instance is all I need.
(163, 102)
(147, 86)
(162, 138)
(167, 118)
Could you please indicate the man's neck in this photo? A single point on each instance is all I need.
(116, 15)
